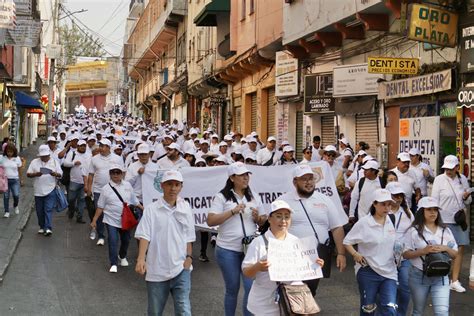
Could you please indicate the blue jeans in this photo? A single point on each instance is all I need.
(403, 293)
(100, 223)
(76, 198)
(14, 187)
(114, 234)
(44, 206)
(230, 263)
(373, 285)
(180, 288)
(421, 286)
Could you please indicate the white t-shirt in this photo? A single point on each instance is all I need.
(230, 233)
(315, 156)
(449, 193)
(110, 202)
(135, 179)
(402, 222)
(420, 177)
(45, 184)
(261, 300)
(168, 230)
(11, 166)
(365, 198)
(166, 163)
(264, 155)
(322, 211)
(78, 172)
(413, 241)
(99, 166)
(375, 243)
(409, 183)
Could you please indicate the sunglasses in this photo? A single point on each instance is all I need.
(330, 154)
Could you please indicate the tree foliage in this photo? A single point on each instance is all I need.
(78, 43)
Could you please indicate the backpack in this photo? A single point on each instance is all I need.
(66, 178)
(361, 184)
(436, 264)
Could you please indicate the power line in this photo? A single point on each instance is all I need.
(112, 14)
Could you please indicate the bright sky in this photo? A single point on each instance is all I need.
(105, 17)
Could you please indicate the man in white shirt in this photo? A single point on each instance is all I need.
(166, 233)
(362, 196)
(54, 150)
(173, 160)
(251, 147)
(189, 144)
(46, 171)
(423, 172)
(324, 215)
(78, 161)
(203, 148)
(136, 169)
(407, 178)
(160, 148)
(316, 147)
(99, 177)
(268, 155)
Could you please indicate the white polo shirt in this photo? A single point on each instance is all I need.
(402, 222)
(409, 183)
(166, 163)
(449, 193)
(375, 243)
(262, 294)
(322, 211)
(110, 202)
(315, 156)
(11, 166)
(135, 179)
(168, 230)
(78, 172)
(99, 166)
(365, 198)
(413, 241)
(45, 184)
(264, 155)
(420, 177)
(230, 233)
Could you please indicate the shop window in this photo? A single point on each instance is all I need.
(423, 110)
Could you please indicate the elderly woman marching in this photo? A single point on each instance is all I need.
(111, 205)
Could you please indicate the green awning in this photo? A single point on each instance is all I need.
(207, 17)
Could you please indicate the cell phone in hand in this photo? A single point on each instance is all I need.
(46, 170)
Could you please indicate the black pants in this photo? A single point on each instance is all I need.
(313, 285)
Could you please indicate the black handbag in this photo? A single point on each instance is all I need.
(324, 250)
(459, 216)
(66, 177)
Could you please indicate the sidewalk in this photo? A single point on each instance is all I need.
(11, 229)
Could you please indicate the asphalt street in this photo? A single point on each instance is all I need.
(67, 274)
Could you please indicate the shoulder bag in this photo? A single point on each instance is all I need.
(460, 215)
(324, 250)
(436, 264)
(129, 218)
(66, 178)
(294, 299)
(3, 180)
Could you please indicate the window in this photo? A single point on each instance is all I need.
(252, 7)
(243, 9)
(418, 110)
(181, 50)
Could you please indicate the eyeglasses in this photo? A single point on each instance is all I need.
(116, 172)
(330, 154)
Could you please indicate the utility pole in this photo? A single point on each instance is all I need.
(52, 51)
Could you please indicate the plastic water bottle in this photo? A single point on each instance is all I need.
(93, 234)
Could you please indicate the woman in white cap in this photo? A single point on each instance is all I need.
(347, 153)
(237, 213)
(287, 158)
(428, 235)
(110, 204)
(255, 264)
(307, 153)
(375, 267)
(403, 220)
(452, 191)
(46, 171)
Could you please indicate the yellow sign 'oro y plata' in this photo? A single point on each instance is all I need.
(390, 65)
(433, 25)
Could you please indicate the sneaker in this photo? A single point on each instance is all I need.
(113, 269)
(48, 232)
(203, 258)
(213, 241)
(17, 210)
(101, 242)
(93, 234)
(123, 262)
(456, 286)
(41, 231)
(80, 220)
(6, 215)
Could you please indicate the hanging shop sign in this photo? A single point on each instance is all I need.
(433, 25)
(421, 133)
(421, 85)
(389, 65)
(23, 7)
(318, 90)
(26, 33)
(466, 62)
(466, 97)
(286, 75)
(459, 134)
(319, 105)
(354, 80)
(7, 14)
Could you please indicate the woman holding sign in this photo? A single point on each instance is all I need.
(237, 213)
(263, 295)
(375, 268)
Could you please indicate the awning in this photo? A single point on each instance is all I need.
(365, 106)
(25, 101)
(207, 17)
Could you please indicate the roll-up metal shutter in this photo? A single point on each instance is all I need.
(271, 109)
(328, 136)
(253, 111)
(366, 130)
(299, 135)
(237, 114)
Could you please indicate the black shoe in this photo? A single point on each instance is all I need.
(70, 213)
(80, 220)
(203, 258)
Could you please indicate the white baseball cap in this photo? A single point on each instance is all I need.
(51, 139)
(361, 153)
(403, 157)
(428, 201)
(414, 151)
(278, 205)
(285, 143)
(143, 149)
(450, 162)
(251, 139)
(301, 170)
(167, 136)
(371, 164)
(222, 158)
(223, 144)
(174, 146)
(73, 137)
(237, 168)
(81, 142)
(43, 151)
(253, 134)
(383, 195)
(271, 139)
(395, 187)
(106, 142)
(367, 158)
(198, 160)
(116, 167)
(329, 148)
(288, 148)
(204, 141)
(228, 137)
(344, 141)
(250, 155)
(215, 136)
(193, 131)
(172, 175)
(191, 152)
